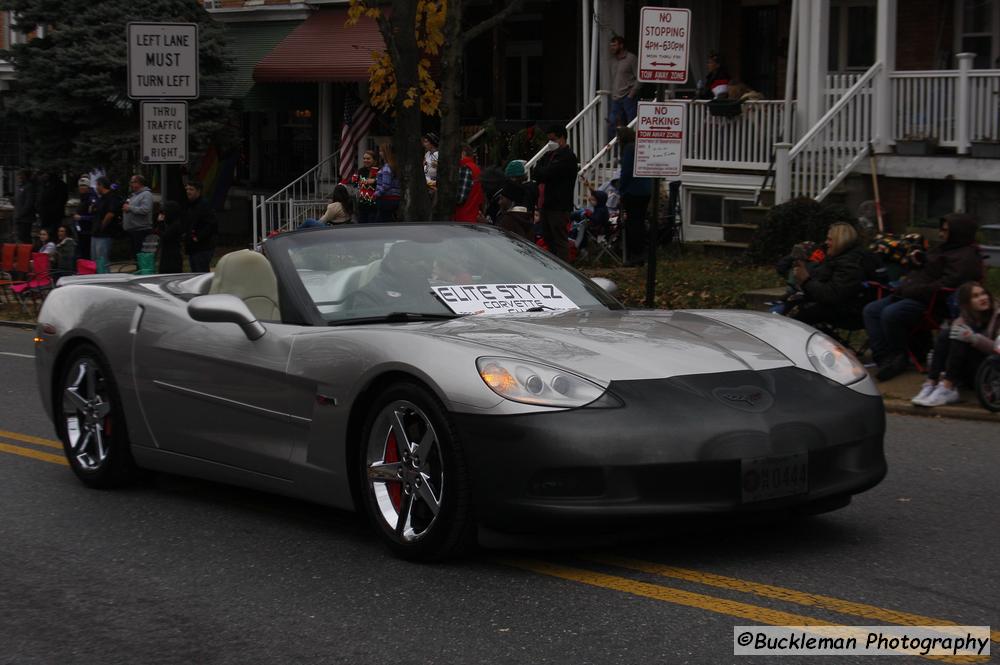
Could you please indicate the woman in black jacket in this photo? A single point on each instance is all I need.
(171, 228)
(833, 289)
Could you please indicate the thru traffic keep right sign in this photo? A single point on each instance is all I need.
(663, 45)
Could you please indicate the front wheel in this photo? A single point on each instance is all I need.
(988, 384)
(416, 486)
(91, 422)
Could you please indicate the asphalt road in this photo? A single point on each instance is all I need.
(184, 571)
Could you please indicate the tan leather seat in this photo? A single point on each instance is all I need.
(248, 276)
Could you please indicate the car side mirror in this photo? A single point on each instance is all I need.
(222, 308)
(609, 286)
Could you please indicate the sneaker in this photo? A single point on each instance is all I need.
(925, 392)
(941, 396)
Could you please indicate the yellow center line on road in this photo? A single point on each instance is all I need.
(752, 613)
(34, 454)
(27, 438)
(839, 605)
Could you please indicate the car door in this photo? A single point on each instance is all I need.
(209, 392)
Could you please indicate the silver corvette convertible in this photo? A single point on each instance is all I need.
(447, 378)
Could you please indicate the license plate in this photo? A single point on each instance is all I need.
(766, 478)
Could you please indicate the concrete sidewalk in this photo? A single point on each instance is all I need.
(897, 393)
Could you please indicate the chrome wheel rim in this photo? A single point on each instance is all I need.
(405, 471)
(86, 406)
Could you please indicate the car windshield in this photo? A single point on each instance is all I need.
(413, 272)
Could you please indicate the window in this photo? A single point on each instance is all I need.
(717, 209)
(523, 89)
(852, 35)
(977, 22)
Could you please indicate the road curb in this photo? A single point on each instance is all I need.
(957, 411)
(27, 325)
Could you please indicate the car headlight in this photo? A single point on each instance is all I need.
(833, 361)
(533, 383)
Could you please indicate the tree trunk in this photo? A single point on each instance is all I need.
(415, 205)
(450, 150)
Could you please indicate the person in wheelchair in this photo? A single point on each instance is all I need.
(961, 348)
(889, 320)
(830, 293)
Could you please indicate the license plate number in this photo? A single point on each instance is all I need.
(766, 478)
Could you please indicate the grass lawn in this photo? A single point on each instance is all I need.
(687, 279)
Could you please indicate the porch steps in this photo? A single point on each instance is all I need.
(719, 249)
(757, 299)
(740, 233)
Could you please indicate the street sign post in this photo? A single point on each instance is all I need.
(162, 60)
(663, 45)
(659, 140)
(164, 132)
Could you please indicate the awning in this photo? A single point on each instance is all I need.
(246, 45)
(323, 49)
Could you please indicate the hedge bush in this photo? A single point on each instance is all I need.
(797, 220)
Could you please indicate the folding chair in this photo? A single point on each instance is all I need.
(937, 310)
(39, 282)
(606, 243)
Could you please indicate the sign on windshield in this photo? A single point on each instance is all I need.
(502, 298)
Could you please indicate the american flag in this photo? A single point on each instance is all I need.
(357, 119)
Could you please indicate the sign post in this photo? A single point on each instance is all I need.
(163, 65)
(659, 142)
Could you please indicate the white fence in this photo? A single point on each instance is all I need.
(952, 106)
(741, 142)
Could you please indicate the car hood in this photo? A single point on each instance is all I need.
(620, 345)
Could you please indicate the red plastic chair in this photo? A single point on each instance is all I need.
(86, 267)
(20, 265)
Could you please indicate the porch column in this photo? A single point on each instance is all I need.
(962, 105)
(782, 173)
(818, 47)
(802, 70)
(959, 196)
(885, 52)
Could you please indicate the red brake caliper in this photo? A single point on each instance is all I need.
(392, 456)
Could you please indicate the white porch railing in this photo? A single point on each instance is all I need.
(304, 197)
(742, 142)
(952, 106)
(599, 170)
(832, 148)
(837, 85)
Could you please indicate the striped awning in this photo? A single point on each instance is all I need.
(246, 45)
(323, 49)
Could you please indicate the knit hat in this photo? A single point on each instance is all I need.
(84, 181)
(515, 168)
